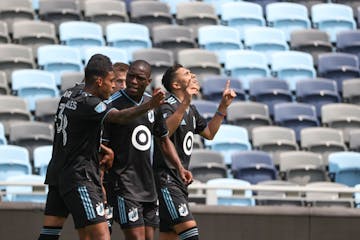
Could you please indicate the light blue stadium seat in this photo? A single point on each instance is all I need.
(266, 40)
(3, 140)
(246, 65)
(242, 15)
(345, 167)
(217, 4)
(58, 59)
(229, 139)
(115, 54)
(42, 156)
(293, 66)
(129, 36)
(287, 17)
(32, 85)
(357, 196)
(332, 18)
(219, 39)
(14, 160)
(228, 197)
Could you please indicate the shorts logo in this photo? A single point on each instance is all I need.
(100, 209)
(151, 116)
(133, 214)
(188, 143)
(183, 210)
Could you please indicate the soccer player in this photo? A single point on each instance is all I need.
(120, 70)
(183, 121)
(73, 172)
(131, 178)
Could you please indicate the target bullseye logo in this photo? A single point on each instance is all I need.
(188, 143)
(141, 138)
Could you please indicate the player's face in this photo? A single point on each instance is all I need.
(183, 77)
(137, 79)
(120, 80)
(107, 85)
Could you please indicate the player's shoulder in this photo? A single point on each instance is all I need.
(171, 100)
(116, 96)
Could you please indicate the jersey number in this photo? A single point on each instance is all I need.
(62, 123)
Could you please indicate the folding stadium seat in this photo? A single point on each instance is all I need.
(15, 10)
(302, 167)
(34, 33)
(332, 18)
(59, 11)
(351, 90)
(4, 86)
(348, 42)
(206, 108)
(246, 65)
(115, 54)
(14, 160)
(338, 66)
(4, 33)
(206, 165)
(13, 109)
(269, 91)
(33, 194)
(248, 114)
(150, 13)
(105, 12)
(173, 37)
(293, 66)
(344, 167)
(274, 139)
(173, 3)
(264, 3)
(14, 56)
(3, 140)
(45, 109)
(308, 3)
(212, 88)
(341, 116)
(322, 140)
(266, 40)
(354, 4)
(199, 61)
(278, 198)
(196, 14)
(31, 84)
(354, 140)
(69, 79)
(296, 116)
(159, 59)
(229, 197)
(198, 142)
(229, 139)
(317, 92)
(42, 156)
(287, 17)
(129, 36)
(253, 166)
(219, 39)
(311, 41)
(328, 199)
(242, 15)
(58, 59)
(357, 196)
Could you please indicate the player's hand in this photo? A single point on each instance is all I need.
(107, 159)
(186, 176)
(158, 97)
(228, 95)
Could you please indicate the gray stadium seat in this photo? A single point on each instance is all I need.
(354, 142)
(16, 10)
(351, 90)
(4, 33)
(45, 109)
(69, 79)
(4, 86)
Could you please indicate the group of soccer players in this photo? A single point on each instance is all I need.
(143, 142)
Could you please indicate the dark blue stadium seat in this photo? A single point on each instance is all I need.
(213, 87)
(348, 42)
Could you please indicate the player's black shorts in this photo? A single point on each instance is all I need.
(130, 213)
(173, 205)
(84, 203)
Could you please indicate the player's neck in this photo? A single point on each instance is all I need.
(179, 95)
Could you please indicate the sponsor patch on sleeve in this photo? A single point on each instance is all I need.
(101, 107)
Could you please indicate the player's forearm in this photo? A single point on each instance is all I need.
(214, 124)
(173, 121)
(126, 115)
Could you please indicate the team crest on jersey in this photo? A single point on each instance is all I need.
(183, 210)
(133, 214)
(100, 209)
(151, 116)
(100, 107)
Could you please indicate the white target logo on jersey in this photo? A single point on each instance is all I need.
(188, 143)
(141, 138)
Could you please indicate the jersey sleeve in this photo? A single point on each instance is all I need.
(166, 110)
(93, 109)
(200, 121)
(160, 128)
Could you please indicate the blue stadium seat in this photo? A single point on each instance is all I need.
(227, 197)
(58, 59)
(213, 87)
(219, 39)
(115, 54)
(14, 160)
(42, 156)
(293, 66)
(246, 65)
(206, 108)
(32, 85)
(338, 66)
(317, 92)
(242, 15)
(296, 116)
(253, 166)
(287, 17)
(332, 18)
(229, 139)
(269, 91)
(348, 42)
(345, 167)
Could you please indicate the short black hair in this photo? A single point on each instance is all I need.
(98, 66)
(169, 76)
(142, 63)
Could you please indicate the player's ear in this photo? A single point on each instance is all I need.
(99, 81)
(175, 85)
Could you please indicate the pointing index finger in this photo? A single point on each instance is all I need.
(227, 86)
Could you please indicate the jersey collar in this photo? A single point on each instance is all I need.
(132, 100)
